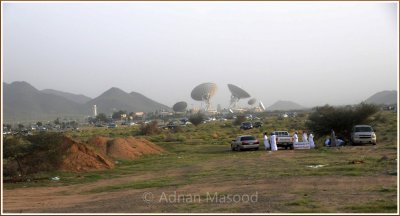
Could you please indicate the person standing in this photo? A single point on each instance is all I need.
(304, 138)
(266, 142)
(333, 138)
(295, 137)
(311, 140)
(274, 147)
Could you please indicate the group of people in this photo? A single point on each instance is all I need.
(270, 144)
(305, 138)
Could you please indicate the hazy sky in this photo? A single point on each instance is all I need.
(312, 53)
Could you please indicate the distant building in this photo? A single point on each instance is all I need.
(94, 109)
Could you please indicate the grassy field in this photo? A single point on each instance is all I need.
(199, 173)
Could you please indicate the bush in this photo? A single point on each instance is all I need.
(340, 119)
(196, 118)
(41, 152)
(149, 129)
(239, 119)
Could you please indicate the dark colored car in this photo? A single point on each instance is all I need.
(246, 125)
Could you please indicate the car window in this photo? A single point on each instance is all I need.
(248, 138)
(363, 129)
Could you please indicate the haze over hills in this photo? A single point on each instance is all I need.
(383, 97)
(115, 99)
(284, 106)
(23, 102)
(78, 98)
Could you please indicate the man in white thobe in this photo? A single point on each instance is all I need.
(266, 141)
(311, 139)
(304, 138)
(274, 147)
(295, 138)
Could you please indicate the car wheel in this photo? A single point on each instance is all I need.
(373, 143)
(291, 147)
(233, 149)
(237, 148)
(256, 149)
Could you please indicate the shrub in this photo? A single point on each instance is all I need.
(14, 149)
(197, 118)
(239, 119)
(340, 119)
(149, 129)
(41, 152)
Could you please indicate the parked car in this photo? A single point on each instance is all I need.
(112, 125)
(257, 124)
(363, 134)
(245, 142)
(246, 125)
(283, 139)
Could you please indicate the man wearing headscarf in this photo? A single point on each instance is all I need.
(274, 147)
(266, 141)
(333, 139)
(295, 137)
(304, 138)
(311, 139)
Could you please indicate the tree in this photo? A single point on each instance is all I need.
(117, 115)
(197, 118)
(21, 127)
(239, 119)
(57, 121)
(149, 129)
(15, 148)
(101, 117)
(39, 124)
(7, 126)
(340, 119)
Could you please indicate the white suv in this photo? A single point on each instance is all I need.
(363, 134)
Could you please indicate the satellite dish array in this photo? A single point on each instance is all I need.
(205, 91)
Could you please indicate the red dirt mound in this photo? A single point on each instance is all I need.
(78, 157)
(100, 143)
(125, 148)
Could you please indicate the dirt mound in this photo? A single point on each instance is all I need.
(78, 157)
(100, 143)
(125, 148)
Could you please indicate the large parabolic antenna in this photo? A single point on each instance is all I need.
(237, 94)
(204, 92)
(180, 106)
(252, 101)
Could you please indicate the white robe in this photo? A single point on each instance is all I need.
(274, 147)
(305, 137)
(311, 139)
(295, 138)
(266, 142)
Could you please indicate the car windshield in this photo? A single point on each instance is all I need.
(364, 129)
(281, 133)
(247, 138)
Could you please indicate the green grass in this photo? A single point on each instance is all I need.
(202, 155)
(378, 206)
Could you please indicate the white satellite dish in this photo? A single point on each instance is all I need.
(204, 92)
(237, 94)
